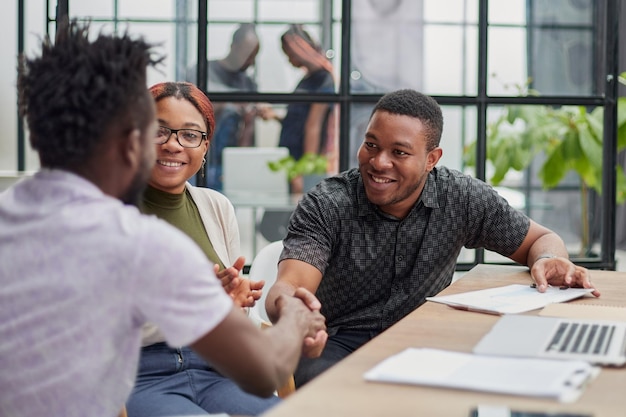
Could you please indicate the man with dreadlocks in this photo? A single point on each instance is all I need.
(81, 272)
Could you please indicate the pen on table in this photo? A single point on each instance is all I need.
(562, 287)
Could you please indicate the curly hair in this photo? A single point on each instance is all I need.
(78, 92)
(409, 102)
(191, 93)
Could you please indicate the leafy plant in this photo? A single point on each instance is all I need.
(309, 164)
(570, 137)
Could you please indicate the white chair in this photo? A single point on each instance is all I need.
(265, 267)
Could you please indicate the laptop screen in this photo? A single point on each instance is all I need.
(246, 172)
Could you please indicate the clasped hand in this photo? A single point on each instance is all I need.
(560, 271)
(316, 336)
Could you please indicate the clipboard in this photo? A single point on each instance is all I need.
(585, 311)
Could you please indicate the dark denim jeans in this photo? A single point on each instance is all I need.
(178, 382)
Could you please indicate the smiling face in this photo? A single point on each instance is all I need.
(175, 164)
(394, 161)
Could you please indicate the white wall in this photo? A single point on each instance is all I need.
(8, 118)
(35, 27)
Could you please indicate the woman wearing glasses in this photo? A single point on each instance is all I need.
(176, 381)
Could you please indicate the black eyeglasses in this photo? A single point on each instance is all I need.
(187, 138)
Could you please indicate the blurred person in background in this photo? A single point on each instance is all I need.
(234, 122)
(306, 127)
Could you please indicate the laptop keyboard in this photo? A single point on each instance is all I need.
(581, 338)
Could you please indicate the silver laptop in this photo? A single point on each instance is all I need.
(596, 341)
(247, 175)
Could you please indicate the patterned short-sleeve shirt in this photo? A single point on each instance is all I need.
(376, 268)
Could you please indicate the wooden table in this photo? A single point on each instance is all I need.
(342, 391)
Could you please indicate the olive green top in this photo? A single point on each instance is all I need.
(180, 211)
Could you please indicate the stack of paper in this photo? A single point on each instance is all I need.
(510, 299)
(561, 380)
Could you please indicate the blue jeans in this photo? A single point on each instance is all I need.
(177, 382)
(337, 347)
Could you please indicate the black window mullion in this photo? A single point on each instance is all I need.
(481, 104)
(344, 87)
(609, 149)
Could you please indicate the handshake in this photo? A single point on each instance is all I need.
(302, 310)
(299, 313)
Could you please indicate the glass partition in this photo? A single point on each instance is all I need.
(476, 57)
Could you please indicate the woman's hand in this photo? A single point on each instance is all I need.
(230, 276)
(244, 292)
(247, 293)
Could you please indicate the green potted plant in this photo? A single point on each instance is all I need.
(311, 167)
(570, 138)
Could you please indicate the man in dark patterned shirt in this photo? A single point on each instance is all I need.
(372, 243)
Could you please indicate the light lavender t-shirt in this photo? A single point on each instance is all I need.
(79, 274)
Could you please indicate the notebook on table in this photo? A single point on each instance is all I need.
(600, 342)
(561, 380)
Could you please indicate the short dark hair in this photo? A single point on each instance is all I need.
(407, 102)
(78, 91)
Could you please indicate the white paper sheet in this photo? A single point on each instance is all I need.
(510, 299)
(561, 380)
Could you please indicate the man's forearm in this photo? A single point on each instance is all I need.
(274, 292)
(548, 245)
